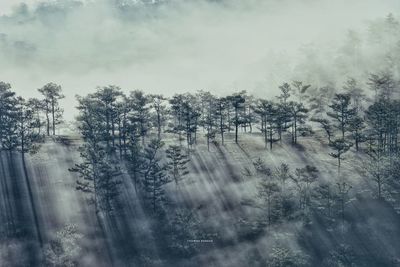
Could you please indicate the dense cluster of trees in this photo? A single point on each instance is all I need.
(22, 120)
(116, 126)
(131, 127)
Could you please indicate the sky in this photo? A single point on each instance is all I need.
(178, 46)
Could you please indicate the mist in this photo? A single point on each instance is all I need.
(179, 46)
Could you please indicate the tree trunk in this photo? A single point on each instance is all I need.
(236, 125)
(48, 122)
(53, 116)
(158, 125)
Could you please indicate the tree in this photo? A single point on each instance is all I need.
(209, 118)
(342, 193)
(222, 110)
(8, 103)
(281, 119)
(377, 169)
(107, 111)
(181, 230)
(248, 114)
(52, 93)
(237, 101)
(356, 94)
(325, 195)
(382, 118)
(382, 84)
(176, 110)
(177, 163)
(160, 110)
(190, 117)
(98, 172)
(262, 169)
(301, 90)
(37, 107)
(26, 137)
(320, 97)
(141, 115)
(97, 176)
(282, 174)
(356, 126)
(267, 192)
(134, 156)
(267, 112)
(304, 179)
(64, 249)
(326, 126)
(342, 112)
(123, 108)
(154, 177)
(340, 146)
(285, 93)
(298, 113)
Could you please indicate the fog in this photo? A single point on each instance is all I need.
(178, 46)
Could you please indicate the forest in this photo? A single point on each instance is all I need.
(307, 177)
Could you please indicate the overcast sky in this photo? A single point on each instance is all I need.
(181, 46)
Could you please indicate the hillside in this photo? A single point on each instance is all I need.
(39, 199)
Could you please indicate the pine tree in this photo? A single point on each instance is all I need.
(383, 85)
(340, 146)
(356, 127)
(98, 176)
(27, 139)
(298, 114)
(209, 119)
(326, 126)
(8, 103)
(98, 173)
(282, 174)
(304, 179)
(134, 156)
(106, 98)
(157, 103)
(342, 195)
(342, 112)
(123, 108)
(177, 163)
(37, 107)
(301, 91)
(237, 101)
(262, 169)
(190, 118)
(267, 112)
(285, 93)
(267, 192)
(249, 113)
(52, 94)
(154, 177)
(176, 103)
(356, 93)
(221, 112)
(141, 114)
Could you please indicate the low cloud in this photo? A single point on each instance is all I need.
(178, 46)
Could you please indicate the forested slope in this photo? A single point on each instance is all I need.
(221, 192)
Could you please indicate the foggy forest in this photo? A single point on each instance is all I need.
(200, 133)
